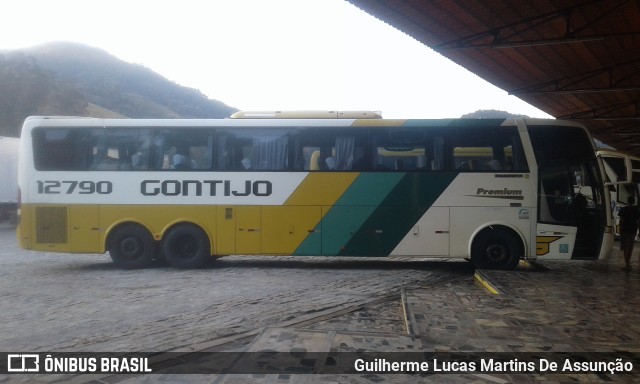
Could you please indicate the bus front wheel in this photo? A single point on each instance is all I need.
(131, 246)
(496, 249)
(186, 246)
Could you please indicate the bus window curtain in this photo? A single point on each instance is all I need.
(438, 154)
(269, 153)
(344, 152)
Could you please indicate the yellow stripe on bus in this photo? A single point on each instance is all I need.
(332, 185)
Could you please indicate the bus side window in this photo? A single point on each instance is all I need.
(189, 150)
(400, 149)
(252, 149)
(61, 149)
(113, 149)
(329, 150)
(487, 150)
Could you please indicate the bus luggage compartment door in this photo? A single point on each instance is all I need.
(248, 230)
(288, 230)
(84, 228)
(428, 237)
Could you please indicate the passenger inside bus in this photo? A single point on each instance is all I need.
(180, 162)
(494, 165)
(331, 163)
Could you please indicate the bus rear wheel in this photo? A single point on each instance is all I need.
(186, 246)
(131, 246)
(496, 249)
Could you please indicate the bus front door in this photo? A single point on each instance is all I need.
(570, 212)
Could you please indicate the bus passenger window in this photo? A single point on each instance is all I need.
(254, 149)
(400, 150)
(487, 150)
(113, 148)
(401, 159)
(329, 150)
(61, 149)
(191, 149)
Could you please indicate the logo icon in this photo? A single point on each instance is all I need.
(23, 363)
(543, 242)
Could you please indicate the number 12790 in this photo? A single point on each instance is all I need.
(55, 187)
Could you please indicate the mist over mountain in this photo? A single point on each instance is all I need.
(78, 80)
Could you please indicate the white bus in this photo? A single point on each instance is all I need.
(8, 177)
(622, 172)
(492, 191)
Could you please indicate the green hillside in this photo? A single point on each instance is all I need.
(74, 79)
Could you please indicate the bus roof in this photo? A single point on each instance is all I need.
(281, 119)
(307, 115)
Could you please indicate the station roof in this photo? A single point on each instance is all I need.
(576, 60)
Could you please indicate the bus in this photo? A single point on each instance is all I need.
(622, 172)
(493, 191)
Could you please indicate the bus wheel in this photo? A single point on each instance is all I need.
(131, 246)
(496, 249)
(186, 246)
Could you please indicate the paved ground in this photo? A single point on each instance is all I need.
(77, 303)
(66, 302)
(551, 307)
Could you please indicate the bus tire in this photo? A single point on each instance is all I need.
(496, 248)
(186, 246)
(131, 246)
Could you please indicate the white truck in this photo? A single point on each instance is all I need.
(8, 177)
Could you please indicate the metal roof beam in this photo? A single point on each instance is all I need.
(605, 113)
(492, 38)
(570, 84)
(580, 90)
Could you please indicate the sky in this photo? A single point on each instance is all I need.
(266, 54)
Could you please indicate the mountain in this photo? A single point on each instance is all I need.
(74, 79)
(491, 114)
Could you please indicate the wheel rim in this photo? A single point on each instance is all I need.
(497, 254)
(131, 247)
(185, 247)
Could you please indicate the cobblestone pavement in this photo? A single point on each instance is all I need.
(541, 308)
(62, 302)
(65, 302)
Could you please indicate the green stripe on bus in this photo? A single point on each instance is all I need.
(394, 217)
(351, 210)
